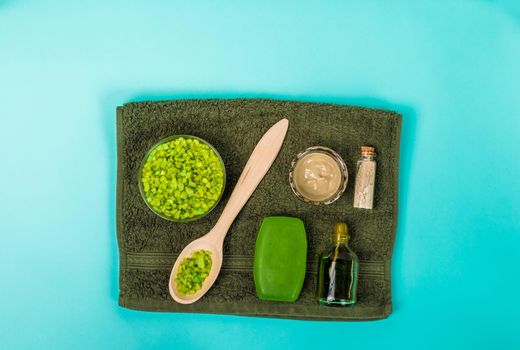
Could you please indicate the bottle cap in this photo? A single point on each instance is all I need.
(341, 232)
(368, 150)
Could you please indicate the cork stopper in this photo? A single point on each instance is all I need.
(368, 150)
(340, 234)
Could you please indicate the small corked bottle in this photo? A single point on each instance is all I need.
(365, 179)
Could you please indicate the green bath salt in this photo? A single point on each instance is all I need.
(192, 272)
(182, 179)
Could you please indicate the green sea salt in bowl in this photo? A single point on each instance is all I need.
(182, 178)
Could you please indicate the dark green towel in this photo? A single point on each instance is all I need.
(148, 244)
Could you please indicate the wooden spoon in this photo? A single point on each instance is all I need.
(256, 167)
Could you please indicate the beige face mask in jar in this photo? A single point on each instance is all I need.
(318, 175)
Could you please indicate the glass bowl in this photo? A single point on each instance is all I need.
(342, 167)
(163, 141)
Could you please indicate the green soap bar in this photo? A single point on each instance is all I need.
(280, 258)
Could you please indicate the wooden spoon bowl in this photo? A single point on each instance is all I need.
(203, 243)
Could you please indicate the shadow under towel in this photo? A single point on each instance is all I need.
(148, 244)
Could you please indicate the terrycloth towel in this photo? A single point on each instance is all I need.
(148, 244)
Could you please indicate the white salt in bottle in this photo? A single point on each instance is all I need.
(365, 179)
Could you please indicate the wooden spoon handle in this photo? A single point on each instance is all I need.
(256, 167)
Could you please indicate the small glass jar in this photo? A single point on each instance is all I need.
(318, 175)
(365, 179)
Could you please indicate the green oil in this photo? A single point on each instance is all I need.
(338, 272)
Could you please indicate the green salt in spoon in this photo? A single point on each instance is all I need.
(256, 167)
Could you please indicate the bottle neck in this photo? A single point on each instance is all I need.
(340, 235)
(368, 156)
(340, 240)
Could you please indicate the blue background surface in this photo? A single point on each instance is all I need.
(450, 67)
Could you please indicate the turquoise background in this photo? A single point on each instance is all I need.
(452, 68)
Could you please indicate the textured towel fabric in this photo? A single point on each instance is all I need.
(148, 244)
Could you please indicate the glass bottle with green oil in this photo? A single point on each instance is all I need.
(338, 271)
